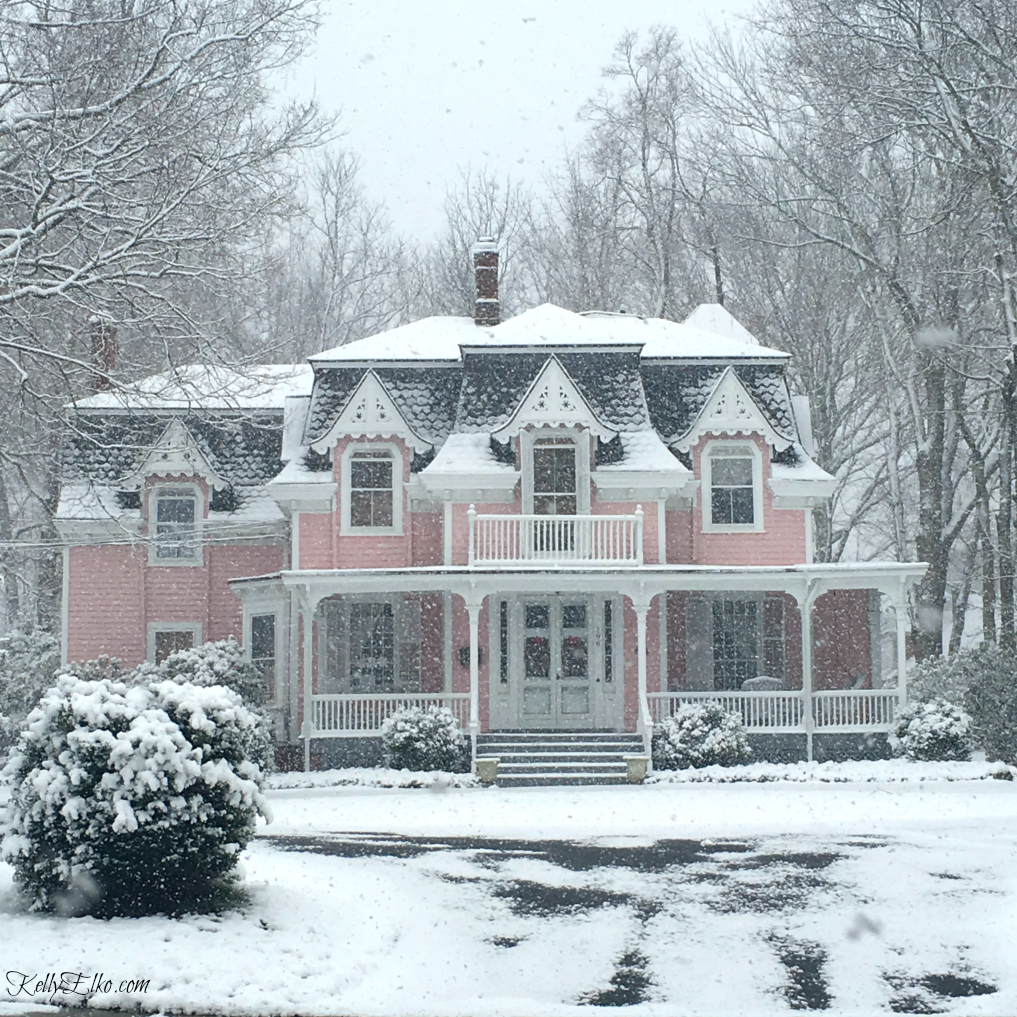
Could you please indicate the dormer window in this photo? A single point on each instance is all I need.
(175, 521)
(554, 477)
(732, 487)
(372, 489)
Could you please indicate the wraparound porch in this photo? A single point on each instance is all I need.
(476, 608)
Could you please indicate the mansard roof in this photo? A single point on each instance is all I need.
(677, 394)
(426, 400)
(107, 448)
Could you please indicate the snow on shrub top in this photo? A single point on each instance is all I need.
(936, 731)
(145, 790)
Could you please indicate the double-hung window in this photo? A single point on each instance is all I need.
(263, 649)
(372, 495)
(176, 524)
(732, 476)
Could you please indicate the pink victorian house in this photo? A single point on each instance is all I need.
(562, 526)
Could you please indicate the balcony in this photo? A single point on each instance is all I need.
(503, 541)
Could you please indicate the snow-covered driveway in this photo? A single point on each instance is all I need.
(744, 898)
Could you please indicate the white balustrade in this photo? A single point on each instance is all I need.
(854, 709)
(833, 712)
(773, 712)
(361, 715)
(503, 540)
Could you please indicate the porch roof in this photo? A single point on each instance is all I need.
(801, 581)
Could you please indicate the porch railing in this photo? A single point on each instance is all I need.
(833, 712)
(361, 716)
(846, 710)
(502, 540)
(773, 712)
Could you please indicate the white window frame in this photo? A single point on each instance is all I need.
(154, 627)
(759, 599)
(732, 450)
(154, 494)
(346, 486)
(249, 641)
(581, 440)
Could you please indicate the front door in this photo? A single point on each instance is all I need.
(556, 657)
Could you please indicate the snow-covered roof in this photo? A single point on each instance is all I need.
(435, 338)
(467, 454)
(208, 386)
(644, 452)
(84, 500)
(709, 333)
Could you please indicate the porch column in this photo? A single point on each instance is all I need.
(307, 607)
(900, 612)
(641, 605)
(808, 718)
(473, 609)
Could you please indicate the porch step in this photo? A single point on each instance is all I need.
(539, 758)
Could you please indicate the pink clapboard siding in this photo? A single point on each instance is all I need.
(782, 541)
(115, 595)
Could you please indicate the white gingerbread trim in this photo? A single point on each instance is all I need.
(370, 413)
(176, 454)
(731, 409)
(553, 400)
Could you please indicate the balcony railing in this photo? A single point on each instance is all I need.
(505, 541)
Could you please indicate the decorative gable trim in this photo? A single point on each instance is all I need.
(553, 400)
(731, 409)
(370, 413)
(176, 454)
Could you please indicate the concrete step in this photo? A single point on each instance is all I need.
(566, 767)
(553, 757)
(559, 779)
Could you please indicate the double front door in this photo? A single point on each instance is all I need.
(557, 661)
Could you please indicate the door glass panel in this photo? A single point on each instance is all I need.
(574, 643)
(537, 644)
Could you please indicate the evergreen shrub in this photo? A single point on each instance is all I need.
(991, 699)
(29, 659)
(428, 738)
(700, 734)
(934, 731)
(130, 798)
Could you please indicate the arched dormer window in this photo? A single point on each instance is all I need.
(372, 489)
(732, 487)
(174, 521)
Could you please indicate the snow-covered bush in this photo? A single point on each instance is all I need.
(222, 664)
(950, 677)
(424, 739)
(130, 798)
(991, 699)
(936, 731)
(700, 734)
(29, 658)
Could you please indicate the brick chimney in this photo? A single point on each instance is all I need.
(487, 310)
(104, 349)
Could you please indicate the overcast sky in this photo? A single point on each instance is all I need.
(428, 87)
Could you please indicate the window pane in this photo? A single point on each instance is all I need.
(170, 641)
(360, 508)
(720, 505)
(381, 508)
(731, 472)
(371, 473)
(372, 646)
(735, 642)
(741, 505)
(263, 636)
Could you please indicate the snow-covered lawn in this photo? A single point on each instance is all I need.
(699, 898)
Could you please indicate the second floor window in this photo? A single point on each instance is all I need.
(732, 499)
(554, 478)
(176, 514)
(371, 489)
